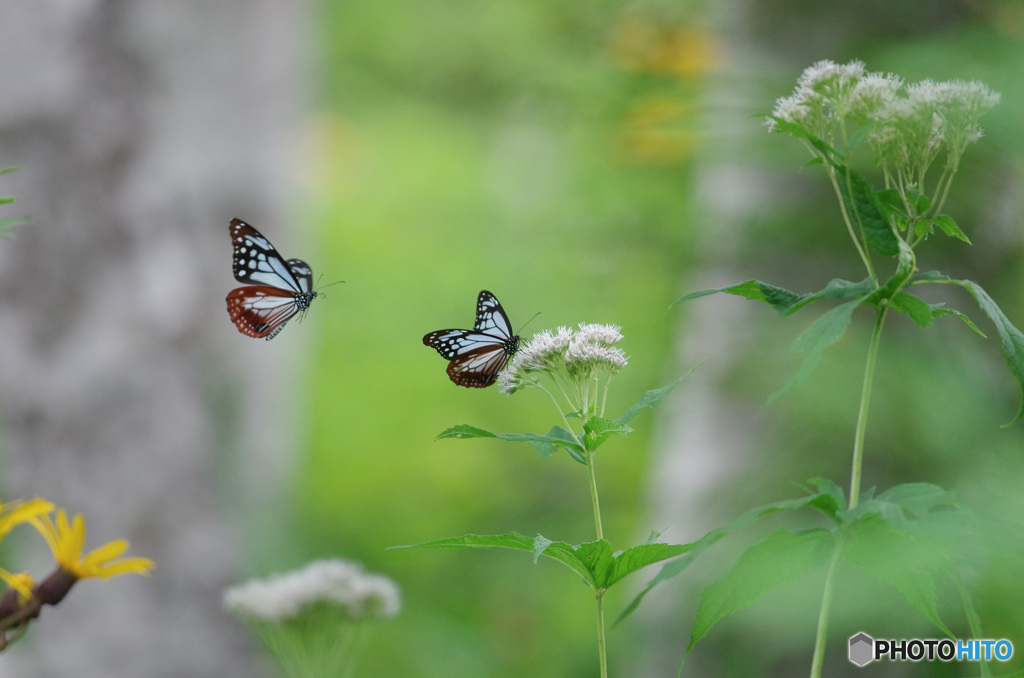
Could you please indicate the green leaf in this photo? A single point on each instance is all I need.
(751, 289)
(784, 301)
(638, 557)
(939, 310)
(464, 431)
(867, 210)
(900, 559)
(649, 399)
(802, 133)
(900, 279)
(921, 202)
(1011, 341)
(597, 430)
(593, 561)
(949, 227)
(903, 506)
(893, 201)
(744, 520)
(919, 311)
(543, 445)
(556, 550)
(782, 558)
(825, 331)
(830, 499)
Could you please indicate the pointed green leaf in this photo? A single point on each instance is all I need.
(900, 559)
(830, 499)
(597, 430)
(543, 445)
(921, 202)
(800, 132)
(904, 506)
(919, 311)
(950, 228)
(782, 558)
(825, 331)
(464, 431)
(893, 201)
(649, 399)
(639, 557)
(1011, 341)
(938, 310)
(593, 561)
(556, 550)
(784, 301)
(751, 289)
(744, 520)
(867, 209)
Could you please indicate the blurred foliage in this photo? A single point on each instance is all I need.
(547, 152)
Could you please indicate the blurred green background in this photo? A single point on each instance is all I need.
(553, 153)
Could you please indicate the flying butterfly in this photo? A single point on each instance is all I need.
(276, 289)
(479, 354)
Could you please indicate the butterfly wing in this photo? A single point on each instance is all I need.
(480, 367)
(302, 273)
(477, 356)
(260, 311)
(490, 317)
(256, 262)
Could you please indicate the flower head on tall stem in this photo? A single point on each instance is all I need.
(309, 618)
(576, 361)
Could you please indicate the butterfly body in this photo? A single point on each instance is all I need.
(478, 355)
(276, 288)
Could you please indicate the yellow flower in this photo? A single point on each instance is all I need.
(22, 583)
(67, 541)
(15, 512)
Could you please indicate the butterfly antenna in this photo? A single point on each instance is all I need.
(527, 323)
(318, 288)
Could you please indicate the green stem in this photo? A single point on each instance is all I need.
(826, 607)
(593, 495)
(600, 634)
(858, 459)
(865, 401)
(602, 653)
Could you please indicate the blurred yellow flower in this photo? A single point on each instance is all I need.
(67, 541)
(15, 512)
(22, 583)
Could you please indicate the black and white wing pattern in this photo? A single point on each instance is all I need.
(276, 289)
(477, 356)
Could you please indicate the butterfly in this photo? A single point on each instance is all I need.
(275, 289)
(479, 354)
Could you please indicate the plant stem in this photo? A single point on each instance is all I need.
(600, 634)
(858, 459)
(865, 401)
(826, 608)
(593, 495)
(601, 649)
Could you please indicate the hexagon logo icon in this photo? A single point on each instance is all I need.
(862, 649)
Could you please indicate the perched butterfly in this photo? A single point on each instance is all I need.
(275, 289)
(479, 354)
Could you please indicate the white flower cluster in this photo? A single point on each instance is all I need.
(911, 122)
(564, 352)
(338, 583)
